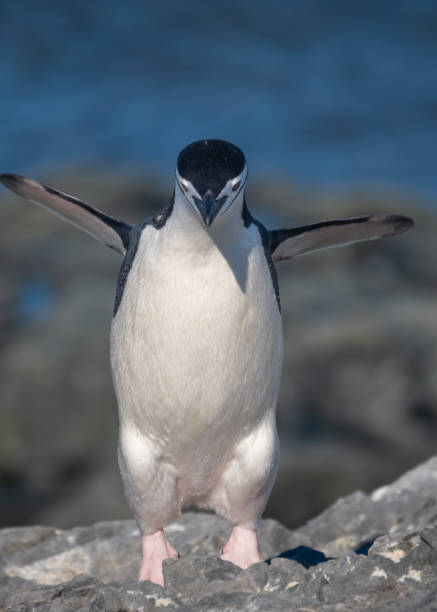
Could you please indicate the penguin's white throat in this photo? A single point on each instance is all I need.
(225, 226)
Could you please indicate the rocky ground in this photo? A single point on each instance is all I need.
(358, 401)
(366, 552)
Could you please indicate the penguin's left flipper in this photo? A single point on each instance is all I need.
(110, 231)
(288, 243)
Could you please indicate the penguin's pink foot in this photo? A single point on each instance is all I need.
(156, 548)
(242, 547)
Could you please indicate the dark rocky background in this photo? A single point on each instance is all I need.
(366, 552)
(358, 401)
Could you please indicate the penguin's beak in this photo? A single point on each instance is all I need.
(209, 207)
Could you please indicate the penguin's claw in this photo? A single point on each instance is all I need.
(242, 547)
(156, 548)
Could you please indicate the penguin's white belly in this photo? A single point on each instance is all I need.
(196, 351)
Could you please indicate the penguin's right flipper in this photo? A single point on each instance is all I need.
(113, 233)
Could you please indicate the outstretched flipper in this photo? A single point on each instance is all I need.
(113, 233)
(287, 243)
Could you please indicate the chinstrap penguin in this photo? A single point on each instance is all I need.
(196, 344)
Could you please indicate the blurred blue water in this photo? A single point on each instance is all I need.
(327, 93)
(35, 300)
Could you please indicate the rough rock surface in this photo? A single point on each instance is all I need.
(366, 552)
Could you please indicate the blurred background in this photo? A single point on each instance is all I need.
(335, 106)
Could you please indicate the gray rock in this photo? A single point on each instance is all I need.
(366, 552)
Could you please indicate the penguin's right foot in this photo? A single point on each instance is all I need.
(156, 548)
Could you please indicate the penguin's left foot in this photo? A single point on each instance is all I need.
(242, 547)
(156, 548)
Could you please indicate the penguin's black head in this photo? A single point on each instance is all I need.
(211, 174)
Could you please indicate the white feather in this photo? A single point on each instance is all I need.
(196, 351)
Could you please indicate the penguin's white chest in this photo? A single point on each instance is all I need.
(196, 345)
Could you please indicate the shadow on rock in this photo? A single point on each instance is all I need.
(304, 555)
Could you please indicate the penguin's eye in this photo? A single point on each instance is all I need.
(236, 186)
